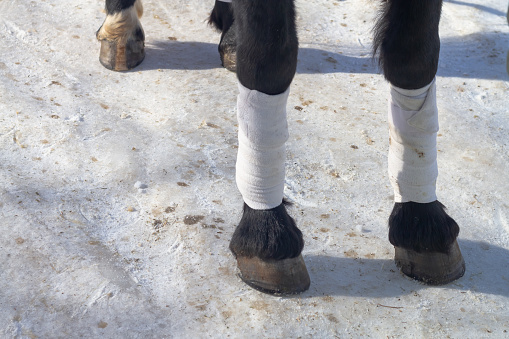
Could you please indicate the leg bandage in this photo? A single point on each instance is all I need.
(413, 125)
(263, 131)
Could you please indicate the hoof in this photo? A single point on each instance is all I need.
(432, 268)
(122, 57)
(229, 60)
(228, 49)
(279, 277)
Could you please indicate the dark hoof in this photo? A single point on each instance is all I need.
(287, 276)
(228, 49)
(122, 57)
(432, 268)
(229, 60)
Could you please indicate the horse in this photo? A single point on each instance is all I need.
(259, 42)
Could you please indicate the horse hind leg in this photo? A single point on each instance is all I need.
(424, 235)
(222, 19)
(121, 35)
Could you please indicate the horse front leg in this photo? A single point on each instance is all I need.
(267, 244)
(424, 236)
(121, 35)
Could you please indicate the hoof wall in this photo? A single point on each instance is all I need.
(229, 61)
(228, 49)
(432, 268)
(279, 277)
(122, 57)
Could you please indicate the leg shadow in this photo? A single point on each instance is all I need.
(487, 272)
(177, 55)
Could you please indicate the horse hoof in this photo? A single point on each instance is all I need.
(118, 56)
(229, 60)
(432, 268)
(228, 49)
(278, 277)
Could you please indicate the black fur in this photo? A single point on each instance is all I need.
(267, 234)
(407, 42)
(115, 6)
(267, 44)
(422, 227)
(221, 16)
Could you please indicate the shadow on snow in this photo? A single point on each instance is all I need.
(479, 7)
(479, 56)
(487, 271)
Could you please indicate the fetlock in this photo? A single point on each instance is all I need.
(267, 234)
(422, 227)
(122, 39)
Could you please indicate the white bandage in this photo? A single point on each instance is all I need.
(263, 131)
(413, 166)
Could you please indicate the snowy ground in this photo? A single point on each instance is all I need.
(117, 191)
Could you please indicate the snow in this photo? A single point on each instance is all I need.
(117, 190)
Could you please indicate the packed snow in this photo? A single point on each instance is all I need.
(118, 195)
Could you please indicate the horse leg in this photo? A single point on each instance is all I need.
(121, 35)
(267, 244)
(221, 17)
(424, 236)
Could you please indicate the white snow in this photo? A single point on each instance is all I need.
(117, 190)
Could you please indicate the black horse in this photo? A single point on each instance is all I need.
(259, 42)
